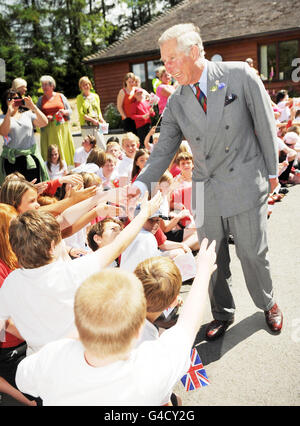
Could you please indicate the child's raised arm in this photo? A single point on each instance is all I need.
(148, 136)
(76, 197)
(111, 251)
(192, 312)
(75, 212)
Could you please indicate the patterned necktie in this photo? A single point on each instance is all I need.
(201, 97)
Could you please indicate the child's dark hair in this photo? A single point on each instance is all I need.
(8, 94)
(280, 95)
(113, 139)
(98, 229)
(135, 168)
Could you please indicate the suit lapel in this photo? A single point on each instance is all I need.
(192, 107)
(215, 100)
(191, 103)
(208, 123)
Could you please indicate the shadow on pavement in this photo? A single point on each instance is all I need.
(212, 351)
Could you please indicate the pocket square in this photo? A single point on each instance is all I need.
(229, 99)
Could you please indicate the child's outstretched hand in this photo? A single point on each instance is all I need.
(116, 195)
(78, 194)
(206, 258)
(152, 205)
(105, 210)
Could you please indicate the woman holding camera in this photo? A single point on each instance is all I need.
(20, 152)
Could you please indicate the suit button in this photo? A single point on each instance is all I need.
(197, 138)
(226, 127)
(212, 176)
(207, 157)
(231, 169)
(227, 149)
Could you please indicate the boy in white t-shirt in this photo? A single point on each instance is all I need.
(82, 153)
(107, 172)
(162, 281)
(103, 368)
(39, 296)
(103, 233)
(130, 144)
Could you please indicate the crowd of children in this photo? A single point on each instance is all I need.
(61, 239)
(84, 278)
(287, 116)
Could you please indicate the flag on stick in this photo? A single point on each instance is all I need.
(196, 376)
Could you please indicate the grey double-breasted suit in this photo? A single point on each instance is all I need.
(234, 151)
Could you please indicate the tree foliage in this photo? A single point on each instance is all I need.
(52, 37)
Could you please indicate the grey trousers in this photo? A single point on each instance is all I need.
(249, 233)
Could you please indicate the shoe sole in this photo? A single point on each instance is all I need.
(217, 336)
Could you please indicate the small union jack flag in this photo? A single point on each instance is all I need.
(196, 376)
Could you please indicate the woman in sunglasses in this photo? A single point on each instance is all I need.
(20, 152)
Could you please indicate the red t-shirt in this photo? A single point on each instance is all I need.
(183, 196)
(52, 187)
(160, 237)
(138, 110)
(10, 340)
(128, 99)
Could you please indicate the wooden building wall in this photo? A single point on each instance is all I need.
(108, 81)
(109, 77)
(239, 50)
(234, 51)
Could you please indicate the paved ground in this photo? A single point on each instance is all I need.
(251, 366)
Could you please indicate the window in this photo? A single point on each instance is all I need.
(288, 50)
(276, 60)
(146, 72)
(139, 70)
(216, 58)
(267, 61)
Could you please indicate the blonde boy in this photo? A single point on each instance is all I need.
(130, 144)
(114, 149)
(107, 172)
(103, 368)
(161, 280)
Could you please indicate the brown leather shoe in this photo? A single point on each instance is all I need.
(217, 328)
(274, 318)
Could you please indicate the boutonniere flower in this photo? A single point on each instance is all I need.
(217, 86)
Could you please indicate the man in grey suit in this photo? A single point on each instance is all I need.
(223, 111)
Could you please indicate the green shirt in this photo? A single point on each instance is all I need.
(88, 106)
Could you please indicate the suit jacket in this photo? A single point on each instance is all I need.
(233, 145)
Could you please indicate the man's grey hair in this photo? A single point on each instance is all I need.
(186, 35)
